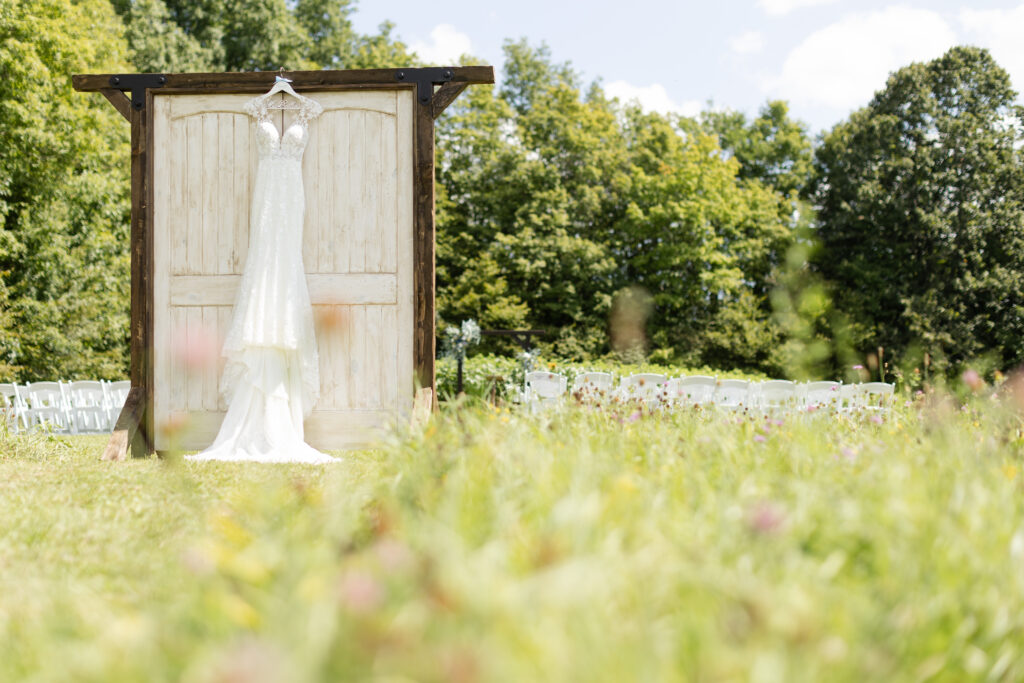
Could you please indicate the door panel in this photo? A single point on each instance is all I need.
(357, 252)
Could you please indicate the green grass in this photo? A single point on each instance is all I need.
(577, 546)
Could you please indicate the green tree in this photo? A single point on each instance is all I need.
(920, 199)
(211, 35)
(705, 243)
(772, 148)
(526, 201)
(554, 201)
(63, 194)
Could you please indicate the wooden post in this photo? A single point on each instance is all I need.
(424, 342)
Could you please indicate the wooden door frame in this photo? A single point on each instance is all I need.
(434, 89)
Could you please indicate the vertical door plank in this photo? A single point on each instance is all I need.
(225, 221)
(177, 175)
(357, 358)
(387, 209)
(341, 358)
(321, 316)
(310, 186)
(194, 182)
(179, 376)
(164, 189)
(193, 378)
(211, 193)
(340, 230)
(375, 189)
(327, 197)
(389, 356)
(208, 371)
(242, 193)
(405, 235)
(357, 184)
(223, 325)
(375, 351)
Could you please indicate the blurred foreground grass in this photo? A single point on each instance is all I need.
(577, 546)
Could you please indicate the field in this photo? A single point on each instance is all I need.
(583, 545)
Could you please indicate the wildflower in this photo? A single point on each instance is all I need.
(359, 592)
(765, 518)
(973, 380)
(877, 419)
(637, 414)
(393, 555)
(759, 437)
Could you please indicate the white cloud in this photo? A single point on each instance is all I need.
(747, 42)
(652, 97)
(780, 7)
(843, 64)
(999, 30)
(446, 45)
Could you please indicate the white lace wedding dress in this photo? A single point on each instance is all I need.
(271, 378)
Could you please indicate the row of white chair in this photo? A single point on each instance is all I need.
(64, 407)
(545, 388)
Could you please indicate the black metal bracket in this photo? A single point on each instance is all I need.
(138, 84)
(425, 80)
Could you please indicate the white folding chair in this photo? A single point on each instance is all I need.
(851, 397)
(732, 394)
(590, 385)
(89, 409)
(13, 406)
(47, 405)
(877, 395)
(695, 389)
(645, 386)
(117, 394)
(820, 395)
(777, 394)
(544, 389)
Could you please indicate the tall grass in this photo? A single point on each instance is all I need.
(579, 545)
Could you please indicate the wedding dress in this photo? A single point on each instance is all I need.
(271, 377)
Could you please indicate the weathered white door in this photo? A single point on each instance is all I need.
(357, 250)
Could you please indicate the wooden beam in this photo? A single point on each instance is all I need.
(121, 103)
(423, 247)
(445, 95)
(258, 81)
(126, 430)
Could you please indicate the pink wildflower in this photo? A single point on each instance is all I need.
(765, 518)
(359, 592)
(973, 380)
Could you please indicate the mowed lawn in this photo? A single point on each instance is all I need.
(583, 545)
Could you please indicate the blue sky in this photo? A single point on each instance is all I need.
(826, 57)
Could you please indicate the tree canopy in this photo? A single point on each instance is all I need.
(920, 200)
(555, 199)
(63, 194)
(211, 35)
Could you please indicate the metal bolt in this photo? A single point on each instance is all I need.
(400, 75)
(114, 80)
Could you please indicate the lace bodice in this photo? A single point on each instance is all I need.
(287, 144)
